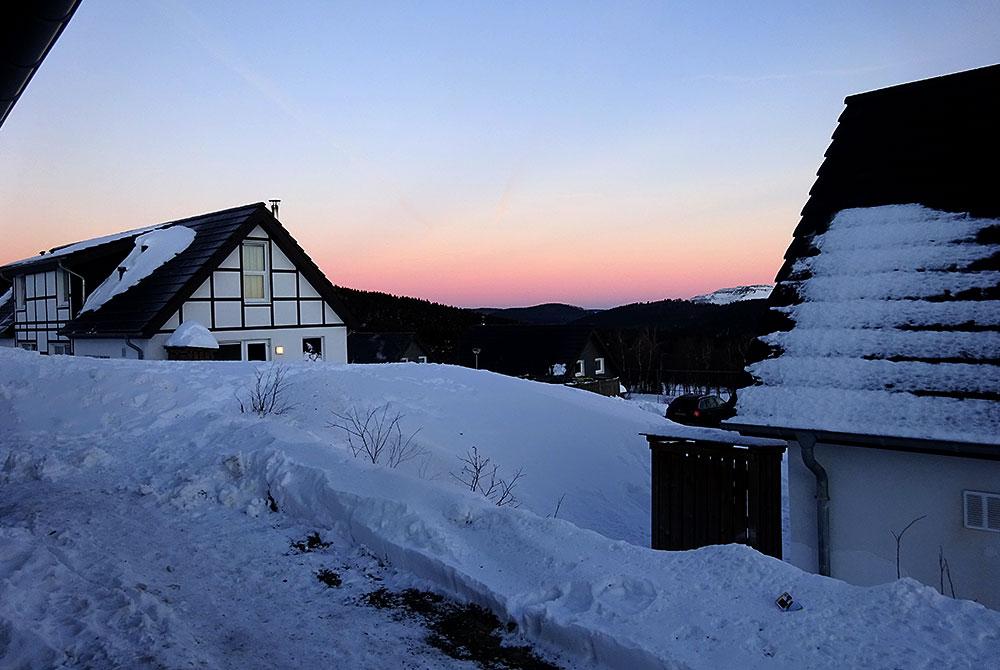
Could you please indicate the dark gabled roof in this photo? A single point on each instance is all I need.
(526, 350)
(145, 307)
(28, 30)
(923, 142)
(890, 291)
(380, 347)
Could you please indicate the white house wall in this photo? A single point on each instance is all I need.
(289, 339)
(873, 492)
(293, 310)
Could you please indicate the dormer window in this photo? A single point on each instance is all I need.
(599, 366)
(255, 284)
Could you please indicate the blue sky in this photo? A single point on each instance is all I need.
(468, 152)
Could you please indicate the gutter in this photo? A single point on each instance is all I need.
(807, 444)
(138, 350)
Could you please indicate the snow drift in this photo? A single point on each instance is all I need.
(172, 430)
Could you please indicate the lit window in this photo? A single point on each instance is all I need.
(580, 370)
(599, 366)
(254, 271)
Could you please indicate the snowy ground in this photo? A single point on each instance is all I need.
(115, 471)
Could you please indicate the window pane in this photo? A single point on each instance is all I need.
(253, 257)
(256, 351)
(312, 348)
(232, 351)
(253, 287)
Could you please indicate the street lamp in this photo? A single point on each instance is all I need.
(476, 351)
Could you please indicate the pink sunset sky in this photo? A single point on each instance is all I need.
(476, 154)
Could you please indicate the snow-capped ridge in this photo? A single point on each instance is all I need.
(726, 296)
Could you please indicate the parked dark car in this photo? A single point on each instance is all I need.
(701, 410)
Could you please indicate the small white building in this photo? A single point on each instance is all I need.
(884, 368)
(236, 272)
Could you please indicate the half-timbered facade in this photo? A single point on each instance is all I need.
(242, 276)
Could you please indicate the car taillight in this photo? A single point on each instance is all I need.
(697, 413)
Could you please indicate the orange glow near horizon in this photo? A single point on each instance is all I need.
(505, 266)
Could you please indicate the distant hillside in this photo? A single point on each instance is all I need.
(439, 327)
(725, 296)
(549, 314)
(683, 317)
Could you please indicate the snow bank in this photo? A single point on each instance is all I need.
(183, 443)
(192, 334)
(152, 250)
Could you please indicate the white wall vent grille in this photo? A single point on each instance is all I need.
(982, 510)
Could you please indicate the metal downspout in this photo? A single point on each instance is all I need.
(135, 348)
(807, 444)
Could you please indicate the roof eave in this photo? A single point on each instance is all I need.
(886, 442)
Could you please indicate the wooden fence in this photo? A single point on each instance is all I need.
(713, 493)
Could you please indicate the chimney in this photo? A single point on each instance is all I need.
(274, 207)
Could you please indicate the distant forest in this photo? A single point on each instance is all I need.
(668, 342)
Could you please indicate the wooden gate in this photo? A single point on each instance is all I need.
(716, 493)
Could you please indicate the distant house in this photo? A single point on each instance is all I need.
(385, 348)
(558, 354)
(236, 272)
(884, 373)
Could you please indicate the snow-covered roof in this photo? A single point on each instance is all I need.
(193, 335)
(69, 249)
(896, 331)
(152, 249)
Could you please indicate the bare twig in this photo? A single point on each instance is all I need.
(478, 474)
(267, 395)
(944, 570)
(377, 433)
(899, 540)
(555, 514)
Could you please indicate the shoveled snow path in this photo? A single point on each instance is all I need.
(93, 573)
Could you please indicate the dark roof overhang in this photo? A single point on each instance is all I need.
(886, 442)
(28, 30)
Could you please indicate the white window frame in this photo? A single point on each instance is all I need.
(986, 499)
(322, 346)
(421, 359)
(263, 274)
(599, 365)
(581, 368)
(267, 349)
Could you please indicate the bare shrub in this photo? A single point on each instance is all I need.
(377, 434)
(268, 393)
(480, 475)
(899, 541)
